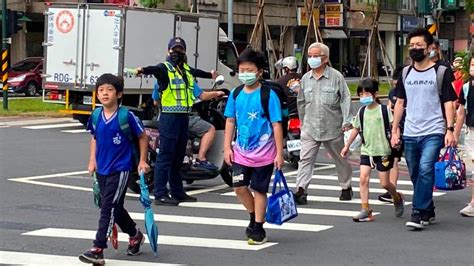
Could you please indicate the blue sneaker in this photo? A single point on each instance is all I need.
(205, 165)
(93, 255)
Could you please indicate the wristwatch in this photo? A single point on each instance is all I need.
(451, 129)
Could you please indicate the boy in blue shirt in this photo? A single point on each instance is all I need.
(258, 147)
(111, 159)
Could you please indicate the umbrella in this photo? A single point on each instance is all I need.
(112, 232)
(96, 191)
(150, 225)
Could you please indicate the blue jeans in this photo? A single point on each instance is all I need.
(173, 129)
(421, 154)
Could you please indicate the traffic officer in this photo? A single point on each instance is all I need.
(176, 83)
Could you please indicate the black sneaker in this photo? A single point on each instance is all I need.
(134, 244)
(346, 194)
(257, 237)
(416, 223)
(93, 255)
(428, 218)
(166, 200)
(386, 197)
(301, 198)
(185, 198)
(248, 231)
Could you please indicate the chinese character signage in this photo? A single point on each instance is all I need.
(334, 16)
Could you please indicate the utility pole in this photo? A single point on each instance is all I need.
(5, 55)
(230, 20)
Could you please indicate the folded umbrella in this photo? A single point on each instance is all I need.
(96, 191)
(150, 225)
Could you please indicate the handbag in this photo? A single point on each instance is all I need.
(450, 171)
(281, 205)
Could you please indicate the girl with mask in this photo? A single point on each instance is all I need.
(375, 151)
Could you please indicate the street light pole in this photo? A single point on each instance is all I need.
(4, 61)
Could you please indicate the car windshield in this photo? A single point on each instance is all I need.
(24, 66)
(227, 55)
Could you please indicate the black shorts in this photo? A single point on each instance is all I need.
(398, 153)
(381, 163)
(257, 177)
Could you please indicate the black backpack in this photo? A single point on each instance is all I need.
(265, 99)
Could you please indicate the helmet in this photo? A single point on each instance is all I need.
(290, 62)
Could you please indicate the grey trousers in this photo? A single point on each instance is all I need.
(309, 152)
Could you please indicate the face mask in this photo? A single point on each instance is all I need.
(417, 54)
(177, 58)
(366, 100)
(314, 62)
(248, 78)
(433, 54)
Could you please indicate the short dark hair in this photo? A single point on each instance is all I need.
(369, 85)
(397, 73)
(116, 82)
(436, 43)
(251, 56)
(421, 32)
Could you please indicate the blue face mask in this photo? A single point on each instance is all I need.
(366, 100)
(248, 78)
(314, 62)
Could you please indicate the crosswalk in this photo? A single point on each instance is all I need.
(63, 125)
(222, 212)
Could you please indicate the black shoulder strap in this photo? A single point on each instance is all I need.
(386, 122)
(361, 120)
(265, 100)
(237, 91)
(439, 78)
(405, 72)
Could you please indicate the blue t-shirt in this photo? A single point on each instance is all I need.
(197, 91)
(113, 148)
(255, 142)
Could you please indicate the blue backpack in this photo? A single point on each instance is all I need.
(122, 114)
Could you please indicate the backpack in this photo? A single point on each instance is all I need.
(122, 114)
(386, 123)
(439, 76)
(265, 89)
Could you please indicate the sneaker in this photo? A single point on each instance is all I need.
(386, 197)
(468, 211)
(416, 223)
(257, 237)
(93, 255)
(346, 194)
(166, 200)
(429, 218)
(363, 216)
(185, 198)
(205, 164)
(301, 198)
(400, 206)
(248, 231)
(134, 244)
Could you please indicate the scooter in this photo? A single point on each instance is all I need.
(211, 111)
(292, 141)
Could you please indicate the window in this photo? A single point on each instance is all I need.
(24, 66)
(408, 5)
(227, 55)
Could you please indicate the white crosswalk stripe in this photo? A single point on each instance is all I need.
(26, 258)
(162, 239)
(54, 126)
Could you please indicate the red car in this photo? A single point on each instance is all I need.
(25, 76)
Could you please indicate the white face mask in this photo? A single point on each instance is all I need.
(314, 62)
(432, 54)
(248, 78)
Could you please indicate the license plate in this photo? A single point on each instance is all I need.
(87, 100)
(293, 145)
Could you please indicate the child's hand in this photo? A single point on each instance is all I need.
(228, 156)
(92, 167)
(143, 166)
(278, 161)
(345, 151)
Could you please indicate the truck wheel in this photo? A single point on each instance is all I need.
(83, 119)
(31, 89)
(134, 182)
(226, 174)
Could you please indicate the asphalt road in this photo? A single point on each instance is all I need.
(48, 218)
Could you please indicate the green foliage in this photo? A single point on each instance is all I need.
(31, 107)
(179, 7)
(469, 5)
(465, 63)
(151, 3)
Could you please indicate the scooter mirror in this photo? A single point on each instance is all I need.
(219, 80)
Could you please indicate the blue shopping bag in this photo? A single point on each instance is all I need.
(281, 205)
(450, 171)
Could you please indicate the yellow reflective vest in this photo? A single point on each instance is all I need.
(177, 97)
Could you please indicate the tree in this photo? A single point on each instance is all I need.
(151, 3)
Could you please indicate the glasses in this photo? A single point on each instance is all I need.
(416, 46)
(314, 56)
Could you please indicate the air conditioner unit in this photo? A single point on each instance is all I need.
(449, 19)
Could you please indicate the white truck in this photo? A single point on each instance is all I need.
(84, 41)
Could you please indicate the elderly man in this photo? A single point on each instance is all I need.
(324, 106)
